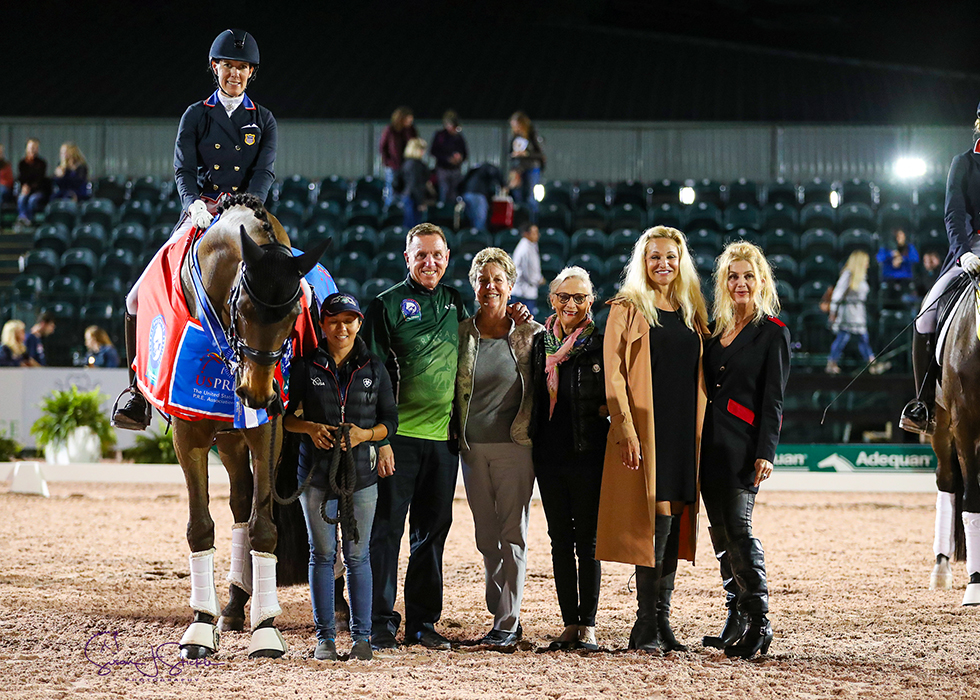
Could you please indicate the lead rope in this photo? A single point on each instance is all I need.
(342, 478)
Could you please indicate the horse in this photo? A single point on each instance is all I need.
(956, 442)
(252, 283)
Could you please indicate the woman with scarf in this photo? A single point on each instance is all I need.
(568, 429)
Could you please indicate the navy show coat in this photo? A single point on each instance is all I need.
(216, 153)
(746, 382)
(962, 204)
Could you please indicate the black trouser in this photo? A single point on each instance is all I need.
(570, 496)
(422, 489)
(730, 514)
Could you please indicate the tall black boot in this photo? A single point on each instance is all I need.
(645, 634)
(137, 413)
(749, 566)
(918, 416)
(668, 642)
(735, 624)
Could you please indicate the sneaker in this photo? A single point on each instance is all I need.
(384, 640)
(880, 367)
(586, 638)
(361, 651)
(326, 650)
(832, 367)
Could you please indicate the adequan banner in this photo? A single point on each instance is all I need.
(856, 458)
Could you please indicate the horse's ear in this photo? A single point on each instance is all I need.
(251, 251)
(308, 260)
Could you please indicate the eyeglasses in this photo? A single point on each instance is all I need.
(579, 299)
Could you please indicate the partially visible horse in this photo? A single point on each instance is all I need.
(252, 282)
(956, 442)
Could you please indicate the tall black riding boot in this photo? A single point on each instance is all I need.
(918, 416)
(645, 634)
(137, 413)
(735, 624)
(668, 642)
(749, 567)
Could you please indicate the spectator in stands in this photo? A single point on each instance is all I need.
(849, 313)
(528, 263)
(656, 396)
(927, 273)
(6, 178)
(896, 263)
(71, 175)
(101, 351)
(13, 352)
(746, 366)
(481, 184)
(412, 183)
(394, 138)
(213, 158)
(569, 425)
(526, 160)
(449, 150)
(42, 328)
(32, 173)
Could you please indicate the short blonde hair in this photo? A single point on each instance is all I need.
(572, 272)
(685, 290)
(425, 229)
(415, 148)
(8, 336)
(766, 300)
(492, 256)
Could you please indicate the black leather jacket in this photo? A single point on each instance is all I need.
(590, 421)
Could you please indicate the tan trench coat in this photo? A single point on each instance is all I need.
(628, 500)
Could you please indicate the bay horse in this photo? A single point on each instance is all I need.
(247, 271)
(956, 442)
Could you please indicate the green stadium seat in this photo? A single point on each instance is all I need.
(591, 192)
(554, 241)
(373, 287)
(743, 191)
(818, 215)
(92, 236)
(818, 241)
(630, 192)
(81, 262)
(589, 241)
(130, 237)
(780, 215)
(628, 215)
(43, 263)
(53, 237)
(61, 211)
(98, 211)
(781, 242)
(555, 216)
(364, 212)
(782, 191)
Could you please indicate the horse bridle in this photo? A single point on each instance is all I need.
(265, 358)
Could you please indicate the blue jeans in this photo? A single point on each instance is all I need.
(841, 341)
(412, 214)
(28, 204)
(477, 209)
(525, 193)
(357, 557)
(389, 193)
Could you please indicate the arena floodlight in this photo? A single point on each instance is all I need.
(687, 195)
(539, 192)
(907, 168)
(834, 199)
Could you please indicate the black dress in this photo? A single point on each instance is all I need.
(674, 356)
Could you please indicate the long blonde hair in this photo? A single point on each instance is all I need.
(857, 265)
(8, 336)
(73, 156)
(685, 290)
(766, 299)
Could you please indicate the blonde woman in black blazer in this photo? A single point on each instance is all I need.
(746, 364)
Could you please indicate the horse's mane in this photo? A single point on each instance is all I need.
(250, 201)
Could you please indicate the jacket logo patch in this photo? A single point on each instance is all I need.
(316, 381)
(411, 310)
(249, 139)
(367, 382)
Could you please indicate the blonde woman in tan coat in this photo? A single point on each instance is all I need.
(656, 397)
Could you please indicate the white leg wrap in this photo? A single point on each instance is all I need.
(204, 596)
(201, 634)
(240, 571)
(971, 528)
(945, 517)
(265, 604)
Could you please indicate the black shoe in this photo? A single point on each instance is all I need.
(430, 639)
(756, 638)
(645, 636)
(326, 650)
(499, 638)
(135, 415)
(916, 419)
(384, 640)
(668, 642)
(361, 651)
(730, 633)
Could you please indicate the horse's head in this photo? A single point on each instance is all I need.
(264, 312)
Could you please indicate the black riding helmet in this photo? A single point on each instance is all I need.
(234, 45)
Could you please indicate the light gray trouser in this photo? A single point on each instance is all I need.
(499, 480)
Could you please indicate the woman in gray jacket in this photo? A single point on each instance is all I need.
(849, 313)
(493, 404)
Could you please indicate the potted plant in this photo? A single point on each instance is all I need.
(73, 427)
(153, 447)
(9, 447)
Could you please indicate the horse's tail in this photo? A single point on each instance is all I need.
(292, 544)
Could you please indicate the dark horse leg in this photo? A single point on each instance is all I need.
(192, 439)
(234, 456)
(948, 482)
(966, 433)
(264, 444)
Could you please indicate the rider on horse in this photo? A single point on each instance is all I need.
(226, 144)
(962, 227)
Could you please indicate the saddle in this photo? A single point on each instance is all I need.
(947, 304)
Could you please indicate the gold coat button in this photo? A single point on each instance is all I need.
(217, 167)
(234, 189)
(215, 186)
(237, 168)
(238, 148)
(217, 145)
(722, 368)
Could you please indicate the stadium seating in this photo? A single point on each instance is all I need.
(61, 211)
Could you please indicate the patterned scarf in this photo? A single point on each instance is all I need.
(557, 351)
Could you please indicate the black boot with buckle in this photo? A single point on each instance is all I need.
(137, 412)
(918, 416)
(749, 567)
(735, 624)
